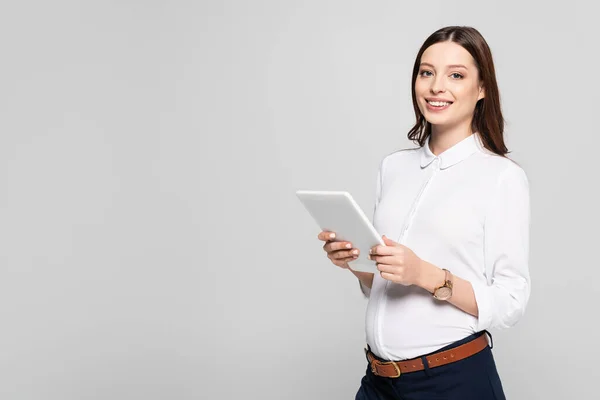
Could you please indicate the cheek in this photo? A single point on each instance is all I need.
(420, 88)
(467, 100)
(468, 94)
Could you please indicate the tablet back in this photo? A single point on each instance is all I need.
(336, 211)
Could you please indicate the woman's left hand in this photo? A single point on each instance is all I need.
(397, 263)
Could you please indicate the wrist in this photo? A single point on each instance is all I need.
(431, 277)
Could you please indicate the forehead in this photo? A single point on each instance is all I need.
(447, 53)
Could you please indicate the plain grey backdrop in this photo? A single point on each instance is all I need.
(151, 245)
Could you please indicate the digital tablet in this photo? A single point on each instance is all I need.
(336, 211)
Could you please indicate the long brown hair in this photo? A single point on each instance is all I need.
(487, 117)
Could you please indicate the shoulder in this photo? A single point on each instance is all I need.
(499, 167)
(399, 158)
(502, 172)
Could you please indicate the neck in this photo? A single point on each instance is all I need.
(442, 137)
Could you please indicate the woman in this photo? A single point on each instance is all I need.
(454, 214)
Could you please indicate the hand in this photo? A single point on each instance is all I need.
(397, 263)
(338, 252)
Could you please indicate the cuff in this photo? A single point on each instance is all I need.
(483, 297)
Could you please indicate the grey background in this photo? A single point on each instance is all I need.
(151, 246)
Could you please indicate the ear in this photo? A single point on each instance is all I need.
(481, 93)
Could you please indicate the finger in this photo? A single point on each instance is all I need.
(390, 260)
(326, 235)
(388, 241)
(345, 260)
(390, 277)
(390, 269)
(384, 250)
(335, 246)
(341, 254)
(337, 261)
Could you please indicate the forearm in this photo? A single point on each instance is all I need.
(366, 278)
(463, 296)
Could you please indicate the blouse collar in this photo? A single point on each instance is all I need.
(451, 156)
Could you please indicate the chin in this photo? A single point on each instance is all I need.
(437, 120)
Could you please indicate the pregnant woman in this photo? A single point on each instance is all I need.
(454, 214)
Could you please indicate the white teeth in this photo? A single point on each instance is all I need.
(438, 103)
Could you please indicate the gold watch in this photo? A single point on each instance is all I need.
(444, 292)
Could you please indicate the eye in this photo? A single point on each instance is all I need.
(456, 75)
(422, 73)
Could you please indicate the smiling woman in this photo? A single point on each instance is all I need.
(454, 67)
(439, 87)
(458, 212)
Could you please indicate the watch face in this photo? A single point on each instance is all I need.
(443, 293)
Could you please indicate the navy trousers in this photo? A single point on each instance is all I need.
(473, 378)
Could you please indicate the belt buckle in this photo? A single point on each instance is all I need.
(398, 373)
(374, 367)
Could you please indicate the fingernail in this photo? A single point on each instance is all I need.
(331, 235)
(348, 245)
(370, 251)
(354, 251)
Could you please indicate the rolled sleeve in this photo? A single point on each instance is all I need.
(366, 290)
(502, 299)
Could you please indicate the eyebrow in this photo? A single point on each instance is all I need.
(449, 66)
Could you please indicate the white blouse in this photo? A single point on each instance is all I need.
(466, 210)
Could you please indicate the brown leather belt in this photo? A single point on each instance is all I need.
(393, 369)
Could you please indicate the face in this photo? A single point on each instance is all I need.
(447, 86)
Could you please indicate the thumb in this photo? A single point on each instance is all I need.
(388, 241)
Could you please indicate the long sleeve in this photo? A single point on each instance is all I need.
(502, 301)
(367, 291)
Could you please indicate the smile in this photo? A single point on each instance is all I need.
(438, 105)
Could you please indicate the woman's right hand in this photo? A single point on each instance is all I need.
(338, 252)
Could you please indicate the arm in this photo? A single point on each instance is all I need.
(501, 302)
(463, 296)
(365, 279)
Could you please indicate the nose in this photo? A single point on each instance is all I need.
(437, 84)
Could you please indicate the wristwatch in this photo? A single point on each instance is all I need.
(444, 292)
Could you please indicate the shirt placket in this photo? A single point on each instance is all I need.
(417, 202)
(414, 208)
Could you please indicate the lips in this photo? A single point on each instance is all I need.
(435, 104)
(438, 102)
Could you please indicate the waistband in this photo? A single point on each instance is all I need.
(456, 351)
